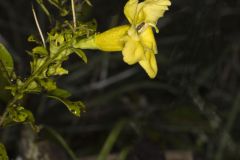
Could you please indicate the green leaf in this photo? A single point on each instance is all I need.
(40, 50)
(60, 93)
(111, 139)
(33, 87)
(18, 114)
(48, 84)
(56, 70)
(55, 3)
(6, 62)
(4, 94)
(63, 12)
(80, 53)
(14, 88)
(44, 8)
(37, 63)
(32, 38)
(3, 152)
(60, 6)
(61, 142)
(74, 107)
(88, 2)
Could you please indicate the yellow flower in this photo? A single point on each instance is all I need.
(110, 40)
(148, 11)
(136, 41)
(140, 46)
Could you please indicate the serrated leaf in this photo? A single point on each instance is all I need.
(3, 152)
(74, 107)
(80, 53)
(40, 50)
(6, 62)
(58, 92)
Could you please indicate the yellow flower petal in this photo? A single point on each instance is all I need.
(148, 11)
(152, 10)
(130, 10)
(148, 40)
(149, 64)
(133, 51)
(141, 47)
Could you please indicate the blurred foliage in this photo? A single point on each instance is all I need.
(47, 59)
(192, 105)
(3, 153)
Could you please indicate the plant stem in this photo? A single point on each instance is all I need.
(21, 90)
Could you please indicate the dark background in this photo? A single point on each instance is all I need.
(190, 109)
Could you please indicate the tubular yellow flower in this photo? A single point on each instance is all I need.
(136, 41)
(110, 40)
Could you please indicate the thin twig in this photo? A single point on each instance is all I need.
(73, 14)
(38, 26)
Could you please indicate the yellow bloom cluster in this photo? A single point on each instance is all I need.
(136, 41)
